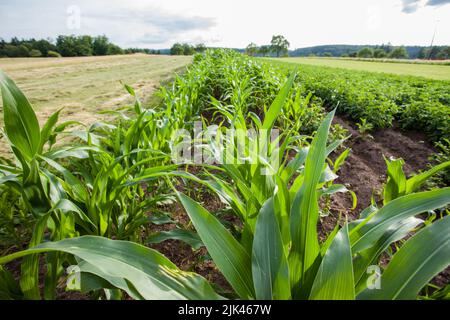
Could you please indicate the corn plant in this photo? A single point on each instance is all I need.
(92, 196)
(41, 191)
(272, 269)
(399, 185)
(305, 269)
(256, 164)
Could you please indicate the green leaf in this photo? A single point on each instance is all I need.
(277, 105)
(417, 181)
(269, 264)
(47, 129)
(366, 234)
(340, 160)
(29, 279)
(368, 257)
(189, 237)
(334, 279)
(152, 275)
(415, 264)
(21, 124)
(93, 278)
(229, 256)
(396, 184)
(304, 257)
(9, 288)
(73, 185)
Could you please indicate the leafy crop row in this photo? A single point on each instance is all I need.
(381, 99)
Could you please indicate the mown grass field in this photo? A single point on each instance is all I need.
(431, 71)
(85, 85)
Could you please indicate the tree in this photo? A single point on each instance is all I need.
(446, 52)
(264, 50)
(44, 46)
(11, 51)
(200, 48)
(379, 53)
(423, 53)
(365, 53)
(84, 46)
(15, 41)
(66, 46)
(100, 46)
(177, 49)
(188, 50)
(114, 49)
(279, 45)
(327, 54)
(387, 47)
(251, 49)
(2, 48)
(23, 51)
(72, 46)
(399, 53)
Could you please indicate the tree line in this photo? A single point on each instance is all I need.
(185, 49)
(65, 46)
(434, 53)
(375, 51)
(279, 46)
(381, 52)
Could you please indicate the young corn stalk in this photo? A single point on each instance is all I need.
(92, 197)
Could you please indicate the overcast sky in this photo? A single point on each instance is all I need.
(231, 23)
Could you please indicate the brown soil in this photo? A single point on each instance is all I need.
(183, 255)
(364, 171)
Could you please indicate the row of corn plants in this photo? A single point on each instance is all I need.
(91, 201)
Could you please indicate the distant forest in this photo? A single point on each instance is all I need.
(413, 52)
(65, 46)
(85, 45)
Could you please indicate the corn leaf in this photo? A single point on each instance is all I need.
(368, 233)
(269, 264)
(415, 264)
(21, 124)
(229, 256)
(396, 184)
(152, 275)
(417, 181)
(304, 257)
(47, 129)
(334, 279)
(368, 257)
(277, 104)
(189, 237)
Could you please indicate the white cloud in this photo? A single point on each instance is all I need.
(410, 6)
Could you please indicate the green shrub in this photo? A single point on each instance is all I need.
(35, 53)
(53, 54)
